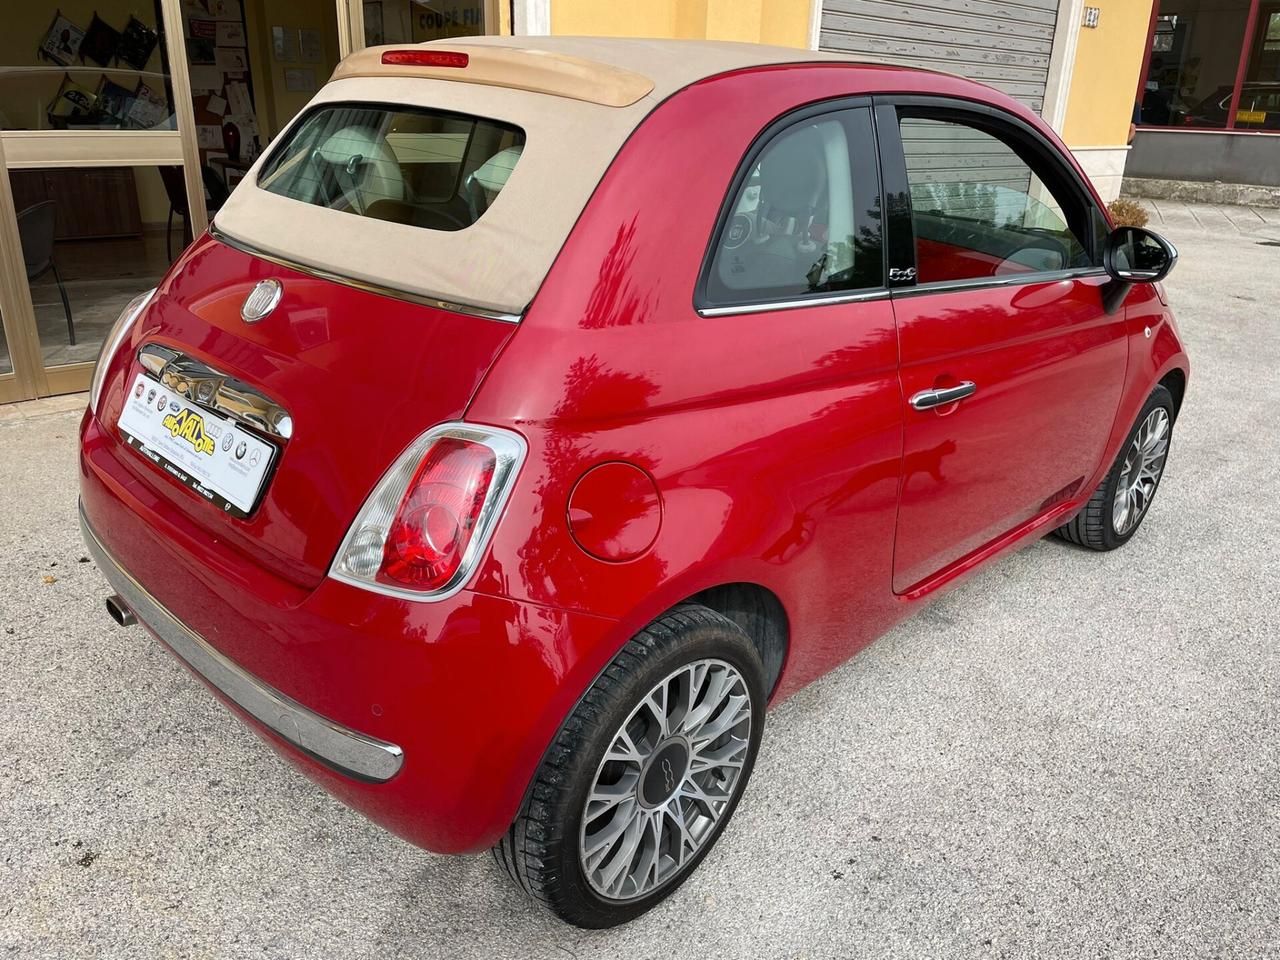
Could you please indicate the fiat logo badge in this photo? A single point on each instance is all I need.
(262, 299)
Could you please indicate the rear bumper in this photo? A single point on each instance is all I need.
(340, 748)
(428, 718)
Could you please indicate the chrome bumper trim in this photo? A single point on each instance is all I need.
(347, 751)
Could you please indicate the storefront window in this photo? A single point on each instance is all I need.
(1195, 55)
(92, 239)
(1194, 76)
(84, 65)
(411, 21)
(1259, 107)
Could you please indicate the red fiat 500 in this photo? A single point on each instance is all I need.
(537, 411)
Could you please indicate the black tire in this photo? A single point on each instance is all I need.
(541, 850)
(1094, 526)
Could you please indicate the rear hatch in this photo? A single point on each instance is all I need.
(408, 221)
(358, 375)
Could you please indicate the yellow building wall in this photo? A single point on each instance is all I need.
(1104, 83)
(783, 22)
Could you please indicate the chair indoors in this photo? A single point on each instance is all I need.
(175, 186)
(36, 226)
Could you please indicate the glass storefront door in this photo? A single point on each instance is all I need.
(124, 123)
(92, 239)
(93, 178)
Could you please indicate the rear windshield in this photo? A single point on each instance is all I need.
(426, 168)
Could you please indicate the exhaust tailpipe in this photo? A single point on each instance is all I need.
(119, 611)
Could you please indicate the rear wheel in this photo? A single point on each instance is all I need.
(645, 773)
(1117, 508)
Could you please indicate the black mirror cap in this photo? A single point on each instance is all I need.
(1135, 255)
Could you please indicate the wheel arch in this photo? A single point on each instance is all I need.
(1175, 381)
(759, 612)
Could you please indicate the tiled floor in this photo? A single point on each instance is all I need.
(42, 407)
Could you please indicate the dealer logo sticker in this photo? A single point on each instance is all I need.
(262, 299)
(189, 426)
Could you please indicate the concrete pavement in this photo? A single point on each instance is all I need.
(1073, 755)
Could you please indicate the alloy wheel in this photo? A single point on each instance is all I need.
(1140, 475)
(669, 775)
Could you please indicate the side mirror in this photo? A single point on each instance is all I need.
(1134, 255)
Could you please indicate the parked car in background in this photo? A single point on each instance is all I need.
(538, 410)
(1259, 108)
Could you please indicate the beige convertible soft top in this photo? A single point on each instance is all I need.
(576, 98)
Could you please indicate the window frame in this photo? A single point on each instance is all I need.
(707, 306)
(1031, 146)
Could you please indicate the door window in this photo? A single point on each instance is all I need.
(979, 210)
(806, 216)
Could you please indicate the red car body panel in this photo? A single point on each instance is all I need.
(780, 443)
(1050, 363)
(391, 669)
(347, 364)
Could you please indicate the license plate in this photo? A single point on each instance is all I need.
(1251, 116)
(213, 455)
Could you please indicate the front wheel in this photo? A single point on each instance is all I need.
(644, 775)
(1121, 501)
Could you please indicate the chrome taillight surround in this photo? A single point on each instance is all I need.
(360, 556)
(111, 344)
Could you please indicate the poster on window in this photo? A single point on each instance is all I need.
(114, 101)
(300, 80)
(225, 9)
(62, 42)
(101, 41)
(202, 29)
(149, 110)
(231, 60)
(447, 18)
(201, 51)
(311, 44)
(73, 100)
(284, 44)
(230, 34)
(137, 43)
(238, 98)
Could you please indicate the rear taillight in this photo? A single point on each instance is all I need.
(423, 529)
(425, 58)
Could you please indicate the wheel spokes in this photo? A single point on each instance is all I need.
(630, 845)
(1143, 465)
(624, 749)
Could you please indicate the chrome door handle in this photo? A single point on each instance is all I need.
(928, 399)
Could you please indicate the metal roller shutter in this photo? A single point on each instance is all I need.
(1006, 45)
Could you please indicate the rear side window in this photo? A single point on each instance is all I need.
(425, 168)
(805, 218)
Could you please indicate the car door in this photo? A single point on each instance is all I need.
(1010, 366)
